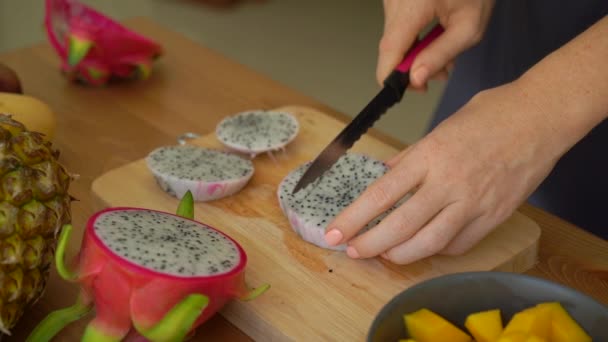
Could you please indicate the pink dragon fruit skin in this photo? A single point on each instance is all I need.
(94, 48)
(137, 303)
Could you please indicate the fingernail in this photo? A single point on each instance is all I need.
(333, 237)
(352, 252)
(420, 75)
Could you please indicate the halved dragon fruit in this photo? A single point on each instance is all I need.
(159, 274)
(95, 49)
(311, 209)
(207, 173)
(257, 131)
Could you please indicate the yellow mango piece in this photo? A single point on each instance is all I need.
(563, 327)
(485, 326)
(513, 336)
(426, 326)
(534, 338)
(34, 114)
(533, 321)
(407, 340)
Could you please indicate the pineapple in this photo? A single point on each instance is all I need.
(34, 205)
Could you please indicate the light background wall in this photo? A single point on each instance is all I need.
(325, 49)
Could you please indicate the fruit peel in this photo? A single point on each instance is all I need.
(148, 301)
(94, 56)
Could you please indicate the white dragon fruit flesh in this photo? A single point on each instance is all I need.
(311, 209)
(167, 243)
(257, 131)
(207, 173)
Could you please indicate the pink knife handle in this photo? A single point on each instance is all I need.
(406, 63)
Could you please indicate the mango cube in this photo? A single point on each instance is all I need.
(534, 321)
(485, 326)
(563, 327)
(535, 338)
(513, 336)
(426, 326)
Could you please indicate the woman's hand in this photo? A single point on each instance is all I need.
(473, 170)
(469, 175)
(464, 22)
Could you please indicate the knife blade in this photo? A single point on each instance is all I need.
(391, 93)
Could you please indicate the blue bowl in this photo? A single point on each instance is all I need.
(455, 296)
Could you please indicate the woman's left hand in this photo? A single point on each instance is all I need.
(469, 175)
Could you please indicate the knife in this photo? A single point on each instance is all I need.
(391, 93)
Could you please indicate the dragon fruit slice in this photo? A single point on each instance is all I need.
(208, 174)
(311, 209)
(257, 131)
(95, 49)
(159, 274)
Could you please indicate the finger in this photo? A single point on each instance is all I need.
(442, 75)
(445, 48)
(400, 32)
(396, 159)
(389, 8)
(470, 236)
(419, 90)
(400, 225)
(375, 200)
(450, 66)
(432, 238)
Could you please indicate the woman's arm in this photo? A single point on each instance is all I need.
(475, 168)
(570, 87)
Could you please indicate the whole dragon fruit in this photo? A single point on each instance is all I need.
(150, 272)
(95, 49)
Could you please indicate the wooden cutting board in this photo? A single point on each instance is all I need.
(316, 294)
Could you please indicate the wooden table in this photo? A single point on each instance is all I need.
(191, 89)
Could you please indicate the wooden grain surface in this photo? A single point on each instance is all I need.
(307, 301)
(191, 89)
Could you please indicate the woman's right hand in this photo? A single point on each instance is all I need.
(464, 21)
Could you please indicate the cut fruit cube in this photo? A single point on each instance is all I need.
(426, 326)
(535, 338)
(485, 326)
(563, 327)
(513, 336)
(533, 321)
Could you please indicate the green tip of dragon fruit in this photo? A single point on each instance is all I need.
(77, 49)
(97, 74)
(95, 334)
(57, 320)
(186, 206)
(144, 69)
(253, 294)
(63, 270)
(176, 324)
